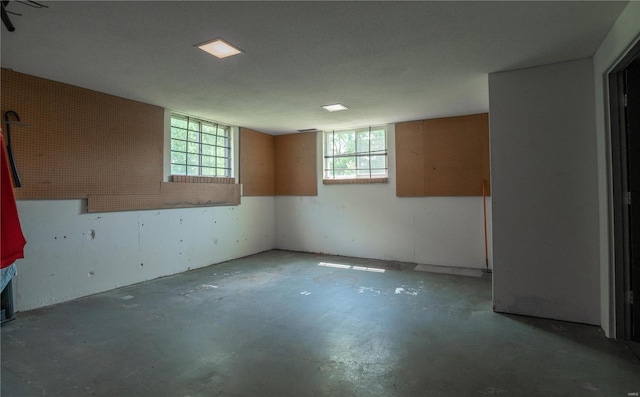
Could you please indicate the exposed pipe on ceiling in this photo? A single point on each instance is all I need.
(4, 13)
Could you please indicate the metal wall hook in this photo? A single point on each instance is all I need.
(12, 164)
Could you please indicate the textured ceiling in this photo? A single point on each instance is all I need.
(386, 61)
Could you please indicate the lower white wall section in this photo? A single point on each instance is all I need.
(71, 253)
(369, 221)
(545, 198)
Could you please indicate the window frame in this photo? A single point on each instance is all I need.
(228, 155)
(368, 176)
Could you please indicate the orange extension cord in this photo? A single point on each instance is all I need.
(484, 206)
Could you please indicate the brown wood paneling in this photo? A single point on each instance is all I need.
(122, 202)
(443, 157)
(257, 163)
(295, 165)
(172, 195)
(410, 159)
(456, 155)
(80, 142)
(183, 195)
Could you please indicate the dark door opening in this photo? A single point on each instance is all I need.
(632, 113)
(624, 90)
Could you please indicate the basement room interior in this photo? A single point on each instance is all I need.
(320, 198)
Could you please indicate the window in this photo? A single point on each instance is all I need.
(359, 153)
(199, 147)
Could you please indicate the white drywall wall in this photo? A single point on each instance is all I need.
(71, 253)
(624, 33)
(369, 221)
(545, 197)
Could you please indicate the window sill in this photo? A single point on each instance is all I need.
(201, 179)
(354, 181)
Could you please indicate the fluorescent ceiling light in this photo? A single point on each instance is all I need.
(219, 48)
(335, 107)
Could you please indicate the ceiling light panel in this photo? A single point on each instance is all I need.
(219, 48)
(335, 107)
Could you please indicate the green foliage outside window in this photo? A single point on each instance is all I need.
(199, 148)
(356, 153)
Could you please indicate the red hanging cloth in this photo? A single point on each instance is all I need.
(12, 240)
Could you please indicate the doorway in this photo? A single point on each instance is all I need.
(624, 95)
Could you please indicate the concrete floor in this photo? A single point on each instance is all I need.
(290, 324)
